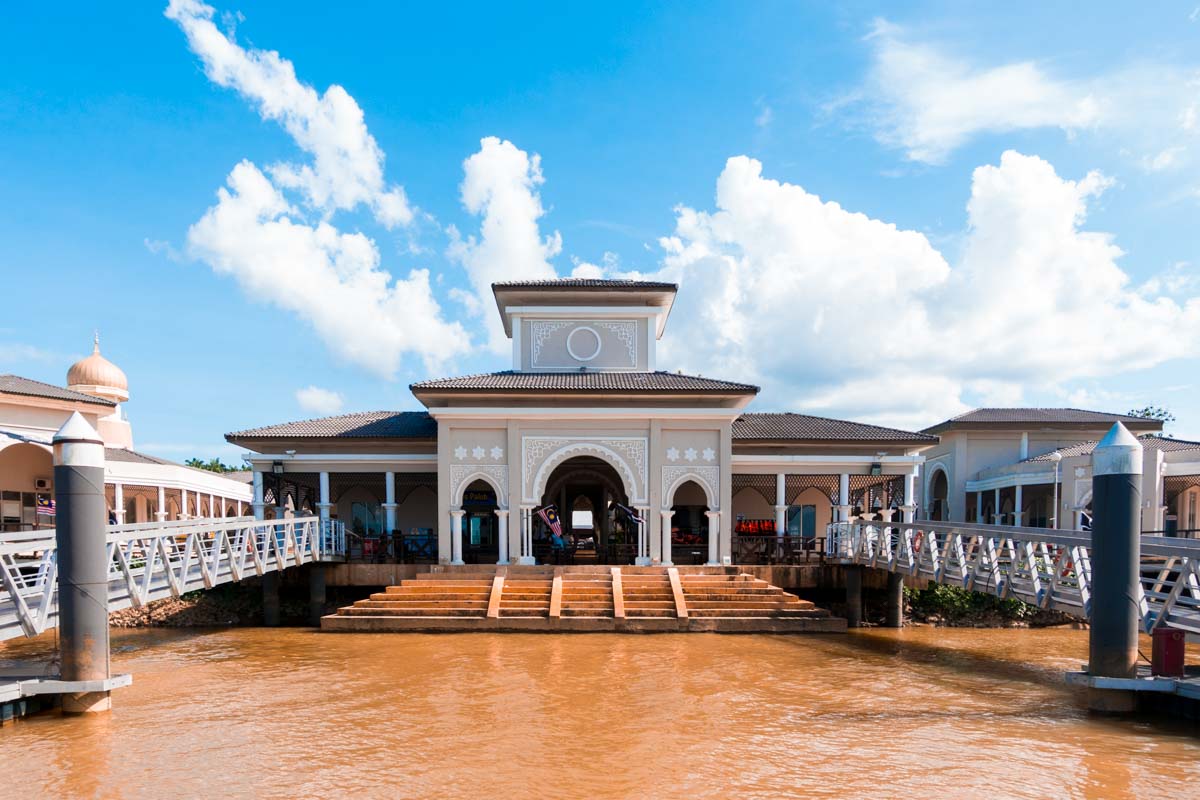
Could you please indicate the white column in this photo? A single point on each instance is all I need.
(527, 558)
(714, 533)
(240, 509)
(212, 506)
(997, 517)
(844, 497)
(666, 515)
(1017, 506)
(323, 504)
(780, 505)
(389, 503)
(119, 502)
(1077, 520)
(161, 514)
(502, 534)
(910, 496)
(183, 512)
(456, 515)
(979, 520)
(643, 556)
(257, 504)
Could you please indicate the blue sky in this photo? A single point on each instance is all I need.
(931, 209)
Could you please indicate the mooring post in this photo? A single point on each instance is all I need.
(270, 593)
(1116, 559)
(316, 594)
(854, 575)
(82, 562)
(895, 601)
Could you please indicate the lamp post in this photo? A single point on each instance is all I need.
(1056, 457)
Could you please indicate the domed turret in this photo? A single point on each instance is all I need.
(96, 375)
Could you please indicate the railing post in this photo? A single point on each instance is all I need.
(1115, 564)
(82, 562)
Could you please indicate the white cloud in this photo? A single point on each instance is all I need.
(161, 248)
(16, 352)
(500, 185)
(329, 278)
(923, 99)
(765, 115)
(834, 312)
(319, 401)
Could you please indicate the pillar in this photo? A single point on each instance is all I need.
(854, 575)
(82, 562)
(323, 504)
(780, 505)
(844, 497)
(1018, 506)
(456, 515)
(119, 502)
(979, 520)
(316, 594)
(895, 601)
(666, 515)
(183, 512)
(258, 505)
(909, 508)
(644, 536)
(502, 534)
(389, 503)
(1116, 561)
(714, 533)
(161, 514)
(270, 597)
(527, 558)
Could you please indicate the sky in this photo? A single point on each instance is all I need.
(888, 212)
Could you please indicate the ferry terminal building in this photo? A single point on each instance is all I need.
(584, 420)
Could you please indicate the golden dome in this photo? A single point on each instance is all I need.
(99, 376)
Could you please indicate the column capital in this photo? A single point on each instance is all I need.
(457, 513)
(714, 514)
(501, 512)
(781, 506)
(387, 506)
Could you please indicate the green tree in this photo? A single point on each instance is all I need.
(213, 465)
(1159, 413)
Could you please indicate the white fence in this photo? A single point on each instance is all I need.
(1043, 567)
(153, 560)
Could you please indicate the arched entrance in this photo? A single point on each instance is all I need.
(480, 531)
(688, 524)
(587, 493)
(939, 493)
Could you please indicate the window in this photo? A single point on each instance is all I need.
(365, 519)
(802, 521)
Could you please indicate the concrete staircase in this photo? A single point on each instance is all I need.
(583, 599)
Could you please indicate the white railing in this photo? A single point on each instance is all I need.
(153, 560)
(1043, 567)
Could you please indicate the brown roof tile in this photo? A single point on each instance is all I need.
(598, 284)
(1151, 443)
(981, 417)
(15, 384)
(795, 427)
(363, 425)
(512, 381)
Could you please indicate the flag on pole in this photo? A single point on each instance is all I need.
(629, 512)
(45, 506)
(549, 515)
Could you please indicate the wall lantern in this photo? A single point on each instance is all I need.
(277, 467)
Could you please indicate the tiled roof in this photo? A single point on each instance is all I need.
(366, 424)
(15, 384)
(512, 381)
(134, 457)
(599, 284)
(768, 427)
(1160, 443)
(1041, 416)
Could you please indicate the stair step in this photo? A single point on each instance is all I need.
(412, 611)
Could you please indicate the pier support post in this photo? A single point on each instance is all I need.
(316, 594)
(895, 600)
(1116, 559)
(854, 575)
(270, 591)
(82, 562)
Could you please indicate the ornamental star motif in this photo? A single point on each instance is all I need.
(690, 454)
(477, 452)
(708, 454)
(672, 454)
(460, 453)
(497, 452)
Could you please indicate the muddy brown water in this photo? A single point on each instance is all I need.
(295, 713)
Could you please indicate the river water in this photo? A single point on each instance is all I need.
(295, 713)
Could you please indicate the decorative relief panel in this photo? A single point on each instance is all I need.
(541, 454)
(583, 343)
(463, 475)
(626, 334)
(709, 479)
(541, 330)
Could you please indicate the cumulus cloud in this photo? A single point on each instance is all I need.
(292, 255)
(927, 101)
(500, 185)
(318, 400)
(834, 312)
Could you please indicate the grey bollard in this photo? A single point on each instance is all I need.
(854, 575)
(82, 562)
(1115, 561)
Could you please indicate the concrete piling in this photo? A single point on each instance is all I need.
(82, 562)
(895, 601)
(854, 578)
(1115, 561)
(316, 594)
(270, 596)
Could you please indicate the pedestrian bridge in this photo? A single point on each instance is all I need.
(1043, 567)
(154, 560)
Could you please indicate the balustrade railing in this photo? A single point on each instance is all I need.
(771, 549)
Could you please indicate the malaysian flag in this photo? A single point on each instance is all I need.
(45, 506)
(549, 515)
(629, 512)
